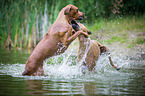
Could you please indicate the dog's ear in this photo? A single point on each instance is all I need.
(67, 10)
(103, 49)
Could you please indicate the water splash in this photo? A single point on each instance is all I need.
(84, 52)
(12, 69)
(64, 67)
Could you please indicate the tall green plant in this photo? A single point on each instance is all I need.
(27, 21)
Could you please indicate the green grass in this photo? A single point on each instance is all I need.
(120, 29)
(115, 39)
(140, 40)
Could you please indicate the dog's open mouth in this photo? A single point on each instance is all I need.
(81, 18)
(75, 25)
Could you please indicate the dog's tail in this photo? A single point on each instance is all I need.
(111, 62)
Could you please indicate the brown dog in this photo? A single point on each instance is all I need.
(56, 40)
(89, 50)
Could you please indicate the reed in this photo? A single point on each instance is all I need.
(25, 22)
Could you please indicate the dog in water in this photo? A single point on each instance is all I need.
(56, 40)
(89, 50)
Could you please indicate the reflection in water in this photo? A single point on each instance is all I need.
(35, 87)
(40, 87)
(90, 89)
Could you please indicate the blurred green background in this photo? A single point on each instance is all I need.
(23, 23)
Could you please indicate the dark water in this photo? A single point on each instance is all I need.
(65, 78)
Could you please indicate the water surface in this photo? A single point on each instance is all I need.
(64, 77)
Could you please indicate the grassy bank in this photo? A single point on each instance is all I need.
(129, 30)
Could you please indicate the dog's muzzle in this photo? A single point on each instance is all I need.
(80, 18)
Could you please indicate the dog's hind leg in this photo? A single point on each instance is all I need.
(105, 49)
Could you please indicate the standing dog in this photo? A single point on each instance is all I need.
(89, 50)
(56, 40)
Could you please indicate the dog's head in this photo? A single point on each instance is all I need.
(78, 26)
(73, 12)
(84, 29)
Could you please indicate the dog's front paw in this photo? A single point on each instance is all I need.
(73, 31)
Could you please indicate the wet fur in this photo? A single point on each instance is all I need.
(55, 41)
(94, 51)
